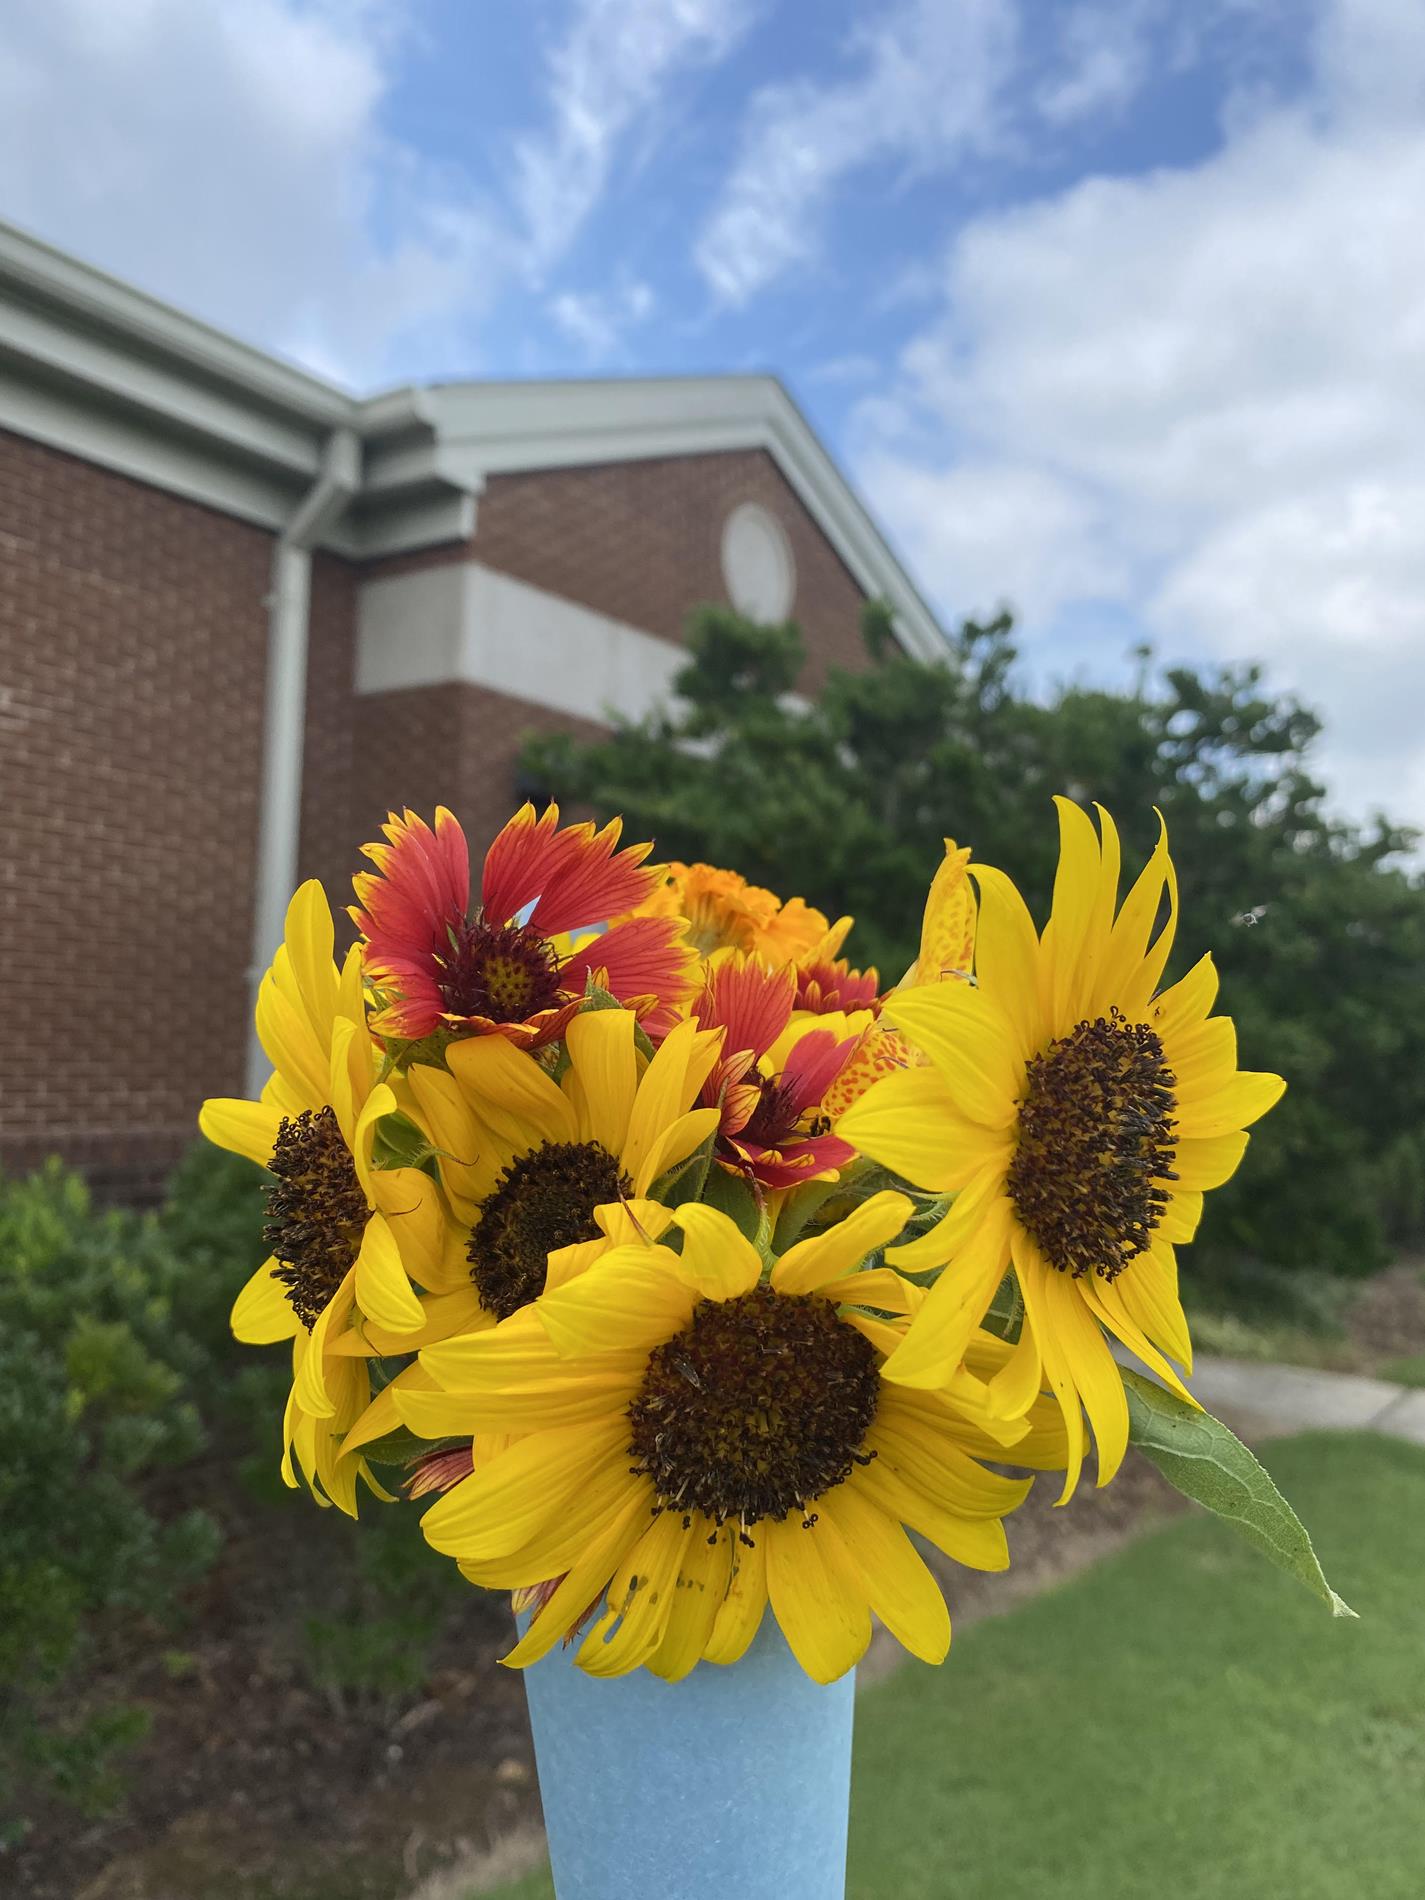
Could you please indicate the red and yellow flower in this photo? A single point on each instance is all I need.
(512, 964)
(775, 1071)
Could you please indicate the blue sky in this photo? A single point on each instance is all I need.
(1113, 309)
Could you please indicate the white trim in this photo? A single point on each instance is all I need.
(95, 367)
(465, 623)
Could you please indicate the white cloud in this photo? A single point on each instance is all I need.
(1103, 61)
(231, 157)
(608, 69)
(1199, 394)
(234, 157)
(599, 321)
(925, 87)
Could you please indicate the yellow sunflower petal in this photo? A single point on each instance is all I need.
(1187, 1002)
(816, 1595)
(901, 1590)
(880, 1287)
(383, 1290)
(947, 929)
(246, 1128)
(262, 1313)
(558, 1544)
(632, 1297)
(1077, 932)
(698, 1592)
(505, 1085)
(720, 1258)
(310, 939)
(978, 1542)
(740, 1615)
(954, 1306)
(383, 1415)
(311, 1384)
(1131, 965)
(1180, 1218)
(1084, 1351)
(814, 1263)
(1107, 1302)
(640, 1601)
(970, 1042)
(582, 1398)
(1148, 1292)
(600, 1043)
(1033, 1276)
(503, 1505)
(675, 1144)
(581, 1586)
(1240, 1102)
(1007, 956)
(468, 1166)
(669, 1086)
(1199, 1165)
(909, 1123)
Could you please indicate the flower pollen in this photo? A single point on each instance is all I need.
(504, 974)
(759, 1406)
(1096, 1142)
(543, 1201)
(316, 1210)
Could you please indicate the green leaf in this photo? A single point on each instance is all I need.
(1005, 1317)
(400, 1446)
(1199, 1456)
(399, 1143)
(731, 1195)
(687, 1181)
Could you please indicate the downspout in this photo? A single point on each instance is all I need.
(280, 808)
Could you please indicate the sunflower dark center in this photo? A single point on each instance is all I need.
(759, 1406)
(775, 1118)
(1096, 1135)
(544, 1200)
(316, 1211)
(505, 974)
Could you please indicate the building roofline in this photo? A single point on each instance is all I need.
(96, 367)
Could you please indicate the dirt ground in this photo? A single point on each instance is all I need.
(253, 1785)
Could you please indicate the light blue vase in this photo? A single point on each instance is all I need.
(734, 1782)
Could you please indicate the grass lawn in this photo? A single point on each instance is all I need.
(1180, 1719)
(1407, 1371)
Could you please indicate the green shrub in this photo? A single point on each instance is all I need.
(96, 1396)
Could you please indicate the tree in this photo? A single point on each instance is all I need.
(1318, 930)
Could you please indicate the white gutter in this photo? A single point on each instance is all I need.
(280, 809)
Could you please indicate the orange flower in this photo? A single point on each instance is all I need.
(724, 912)
(509, 965)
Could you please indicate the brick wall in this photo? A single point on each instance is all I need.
(447, 745)
(133, 636)
(132, 647)
(641, 541)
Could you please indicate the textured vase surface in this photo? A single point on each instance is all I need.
(735, 1781)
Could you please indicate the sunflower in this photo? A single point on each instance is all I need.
(512, 964)
(701, 1441)
(1077, 1117)
(347, 1238)
(529, 1163)
(777, 1065)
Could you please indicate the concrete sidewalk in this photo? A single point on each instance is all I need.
(1260, 1400)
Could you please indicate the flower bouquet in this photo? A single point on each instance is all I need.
(702, 1283)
